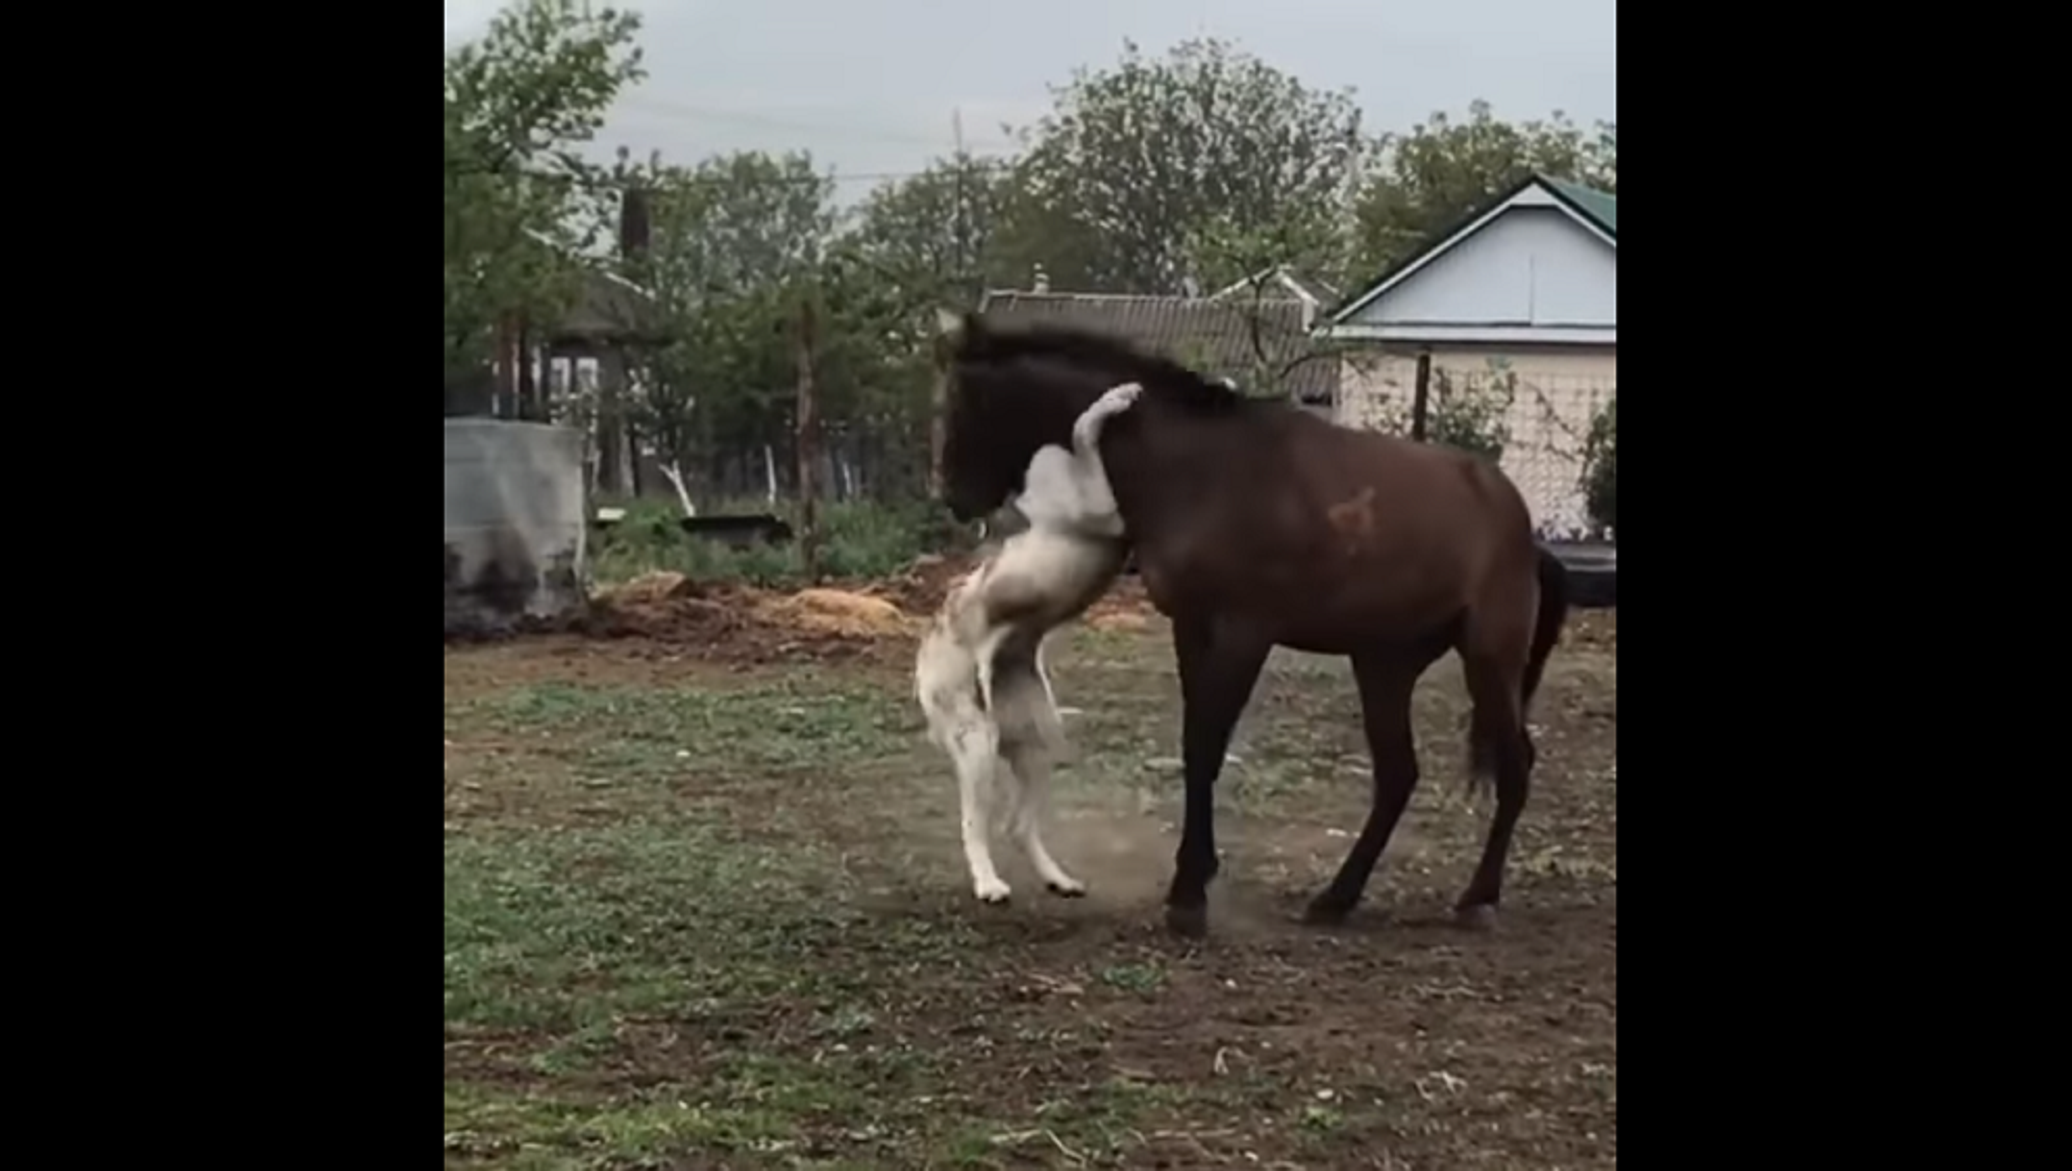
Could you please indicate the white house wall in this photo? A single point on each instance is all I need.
(1531, 267)
(1556, 392)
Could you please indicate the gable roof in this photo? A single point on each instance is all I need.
(1213, 336)
(1596, 211)
(608, 308)
(1301, 285)
(1601, 206)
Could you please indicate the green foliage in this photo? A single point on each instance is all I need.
(1195, 169)
(1601, 466)
(735, 247)
(936, 236)
(1221, 252)
(1441, 170)
(1137, 159)
(1471, 415)
(1469, 412)
(518, 101)
(858, 539)
(740, 247)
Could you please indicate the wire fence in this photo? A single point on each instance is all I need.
(1535, 419)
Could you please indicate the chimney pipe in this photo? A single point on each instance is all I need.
(633, 222)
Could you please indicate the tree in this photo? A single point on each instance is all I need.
(518, 101)
(1220, 252)
(936, 233)
(1137, 162)
(733, 243)
(1441, 170)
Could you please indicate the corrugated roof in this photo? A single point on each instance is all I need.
(1601, 206)
(1213, 337)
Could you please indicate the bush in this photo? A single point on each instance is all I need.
(858, 539)
(1467, 411)
(1601, 466)
(1471, 416)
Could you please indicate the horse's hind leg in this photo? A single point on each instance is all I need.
(1385, 689)
(1499, 745)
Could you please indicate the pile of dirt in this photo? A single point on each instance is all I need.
(731, 623)
(838, 612)
(737, 623)
(1124, 607)
(920, 587)
(653, 588)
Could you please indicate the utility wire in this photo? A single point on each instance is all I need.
(681, 111)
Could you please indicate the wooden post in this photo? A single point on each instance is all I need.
(528, 385)
(808, 448)
(1421, 398)
(612, 473)
(506, 393)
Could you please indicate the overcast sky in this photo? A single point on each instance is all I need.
(868, 86)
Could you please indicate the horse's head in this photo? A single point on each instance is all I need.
(1011, 392)
(1001, 408)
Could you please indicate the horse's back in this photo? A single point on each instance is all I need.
(1468, 493)
(1318, 531)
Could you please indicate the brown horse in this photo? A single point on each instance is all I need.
(1256, 524)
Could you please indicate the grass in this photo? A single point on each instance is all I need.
(700, 918)
(858, 539)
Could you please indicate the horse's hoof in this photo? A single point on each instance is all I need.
(1066, 890)
(1325, 912)
(1188, 922)
(1476, 917)
(992, 894)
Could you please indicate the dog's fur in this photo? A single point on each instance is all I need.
(979, 675)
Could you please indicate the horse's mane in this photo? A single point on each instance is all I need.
(1114, 359)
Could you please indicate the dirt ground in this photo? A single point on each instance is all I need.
(706, 908)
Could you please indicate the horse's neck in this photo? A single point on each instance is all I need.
(1158, 471)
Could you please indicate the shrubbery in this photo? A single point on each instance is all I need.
(1601, 466)
(857, 540)
(1472, 415)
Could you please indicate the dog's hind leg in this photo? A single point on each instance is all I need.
(974, 747)
(1031, 737)
(1031, 765)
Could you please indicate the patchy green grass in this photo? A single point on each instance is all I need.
(698, 918)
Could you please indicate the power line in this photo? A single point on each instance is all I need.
(679, 110)
(610, 183)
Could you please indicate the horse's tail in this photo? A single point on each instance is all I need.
(1546, 632)
(1546, 627)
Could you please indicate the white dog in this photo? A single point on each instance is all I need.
(979, 674)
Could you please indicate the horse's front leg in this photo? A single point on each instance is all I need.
(1218, 669)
